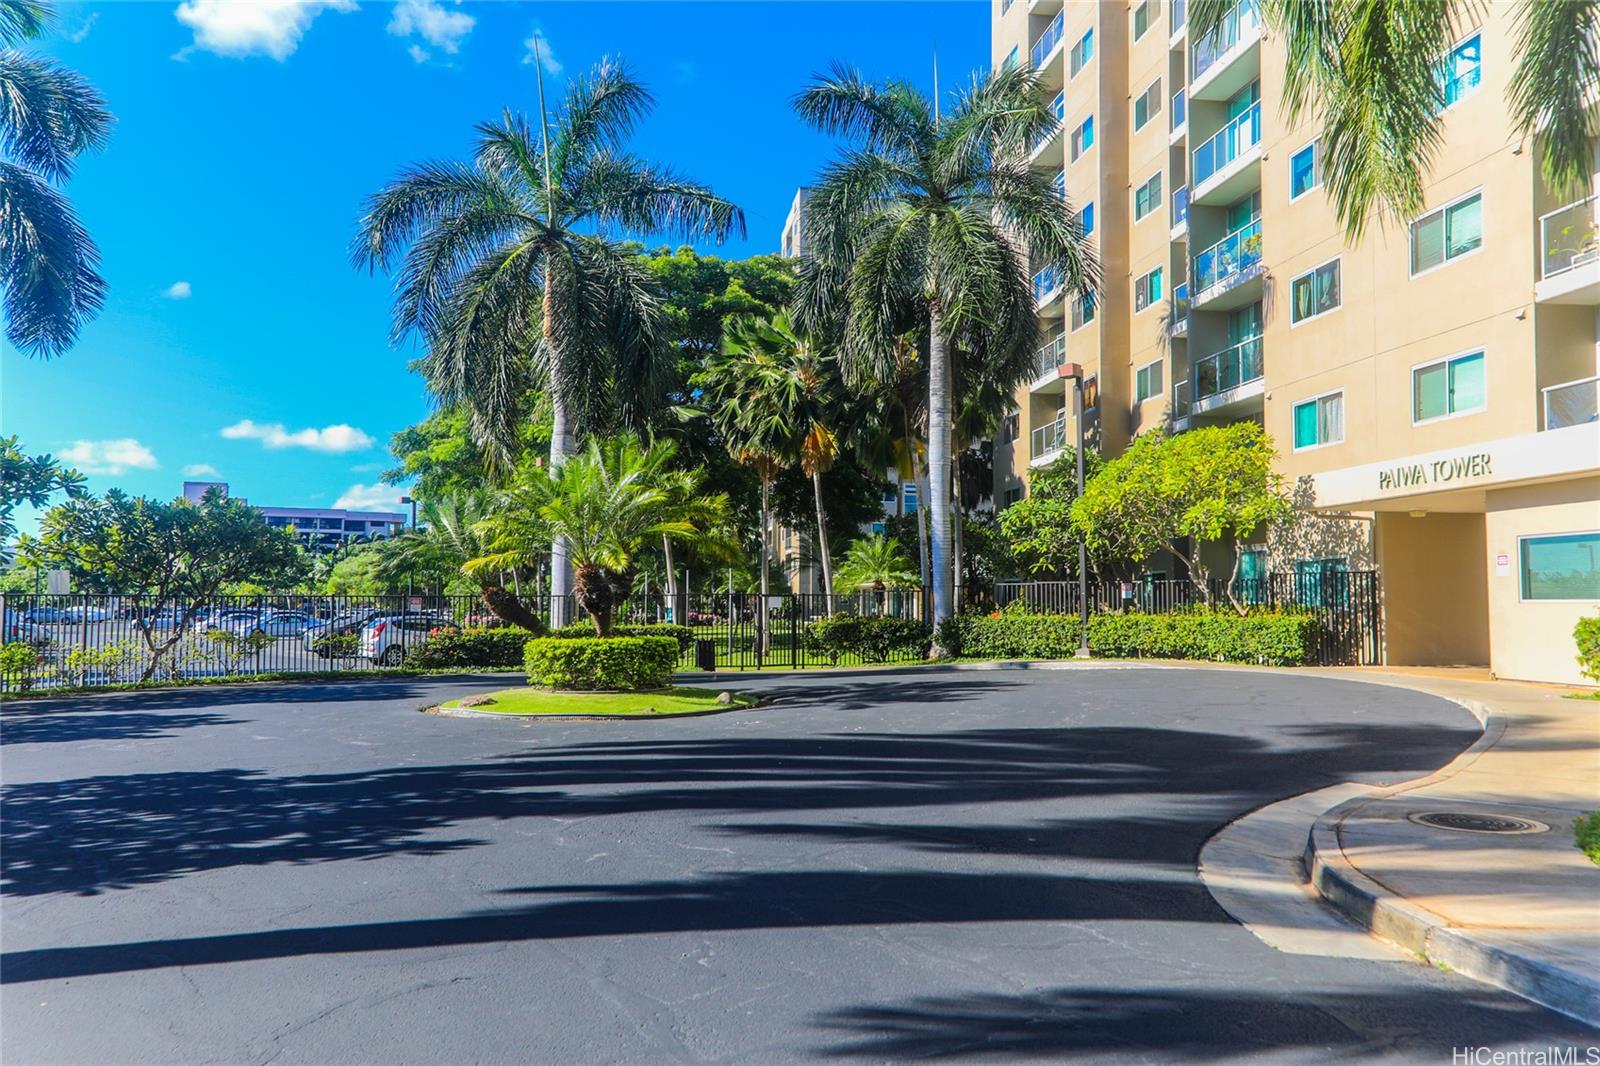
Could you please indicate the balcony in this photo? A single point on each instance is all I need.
(1569, 255)
(1226, 382)
(1228, 164)
(1058, 108)
(1180, 116)
(1047, 365)
(1228, 59)
(1046, 285)
(1047, 440)
(1180, 404)
(1046, 43)
(1180, 20)
(1178, 312)
(1180, 212)
(1224, 269)
(1572, 404)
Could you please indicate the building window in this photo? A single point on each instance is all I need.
(1147, 106)
(1319, 421)
(1082, 311)
(1147, 290)
(1147, 197)
(1010, 60)
(1009, 427)
(1448, 233)
(1083, 138)
(1461, 70)
(1086, 218)
(1147, 382)
(1005, 5)
(1561, 567)
(1322, 582)
(1304, 175)
(1010, 497)
(1316, 292)
(908, 493)
(1453, 386)
(1082, 52)
(1141, 19)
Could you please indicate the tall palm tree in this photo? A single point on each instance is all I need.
(446, 540)
(49, 266)
(512, 273)
(1371, 71)
(933, 217)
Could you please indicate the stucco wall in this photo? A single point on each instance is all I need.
(1435, 594)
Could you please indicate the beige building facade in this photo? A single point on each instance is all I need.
(1431, 387)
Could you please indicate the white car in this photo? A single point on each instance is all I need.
(386, 639)
(276, 624)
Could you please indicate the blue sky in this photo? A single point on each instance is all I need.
(248, 134)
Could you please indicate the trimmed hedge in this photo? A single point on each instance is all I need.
(682, 634)
(1587, 636)
(470, 647)
(872, 639)
(1270, 638)
(593, 663)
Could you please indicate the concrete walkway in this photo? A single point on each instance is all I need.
(1517, 910)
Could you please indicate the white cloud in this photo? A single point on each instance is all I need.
(83, 31)
(378, 497)
(178, 290)
(337, 438)
(109, 456)
(201, 470)
(539, 44)
(247, 27)
(439, 26)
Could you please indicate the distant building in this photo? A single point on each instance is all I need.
(792, 242)
(318, 528)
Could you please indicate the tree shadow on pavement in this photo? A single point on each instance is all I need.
(70, 726)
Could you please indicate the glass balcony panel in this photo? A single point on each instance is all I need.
(1180, 109)
(1046, 282)
(1048, 40)
(1229, 257)
(1180, 204)
(1180, 14)
(1048, 438)
(1227, 144)
(1569, 238)
(1228, 369)
(1241, 20)
(1049, 357)
(1572, 404)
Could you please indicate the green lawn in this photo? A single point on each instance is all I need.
(656, 704)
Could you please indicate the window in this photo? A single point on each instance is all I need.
(1562, 567)
(1012, 496)
(1010, 60)
(1009, 428)
(1147, 290)
(1148, 105)
(1082, 52)
(1461, 70)
(1448, 387)
(1082, 311)
(1303, 173)
(1316, 292)
(1147, 382)
(908, 492)
(1322, 582)
(1083, 138)
(1147, 197)
(1319, 421)
(1141, 20)
(1086, 218)
(1448, 233)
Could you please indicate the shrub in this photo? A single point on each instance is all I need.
(17, 664)
(1266, 637)
(1587, 635)
(873, 639)
(682, 634)
(1586, 835)
(470, 647)
(588, 663)
(337, 645)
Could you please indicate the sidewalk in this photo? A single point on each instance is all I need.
(1518, 910)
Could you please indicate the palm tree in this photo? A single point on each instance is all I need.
(447, 540)
(1372, 72)
(49, 266)
(512, 274)
(875, 563)
(928, 221)
(608, 502)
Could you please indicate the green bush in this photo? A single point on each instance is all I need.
(17, 664)
(873, 639)
(1267, 637)
(612, 663)
(470, 647)
(1587, 635)
(682, 634)
(337, 645)
(1586, 835)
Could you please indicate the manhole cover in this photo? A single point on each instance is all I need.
(1463, 822)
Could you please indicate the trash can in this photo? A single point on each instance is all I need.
(705, 655)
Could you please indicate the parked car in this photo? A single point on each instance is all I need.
(276, 624)
(88, 613)
(386, 639)
(224, 617)
(342, 624)
(170, 618)
(40, 615)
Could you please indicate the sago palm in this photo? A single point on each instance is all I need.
(930, 218)
(512, 273)
(446, 541)
(49, 266)
(1372, 72)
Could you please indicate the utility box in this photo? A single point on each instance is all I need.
(705, 655)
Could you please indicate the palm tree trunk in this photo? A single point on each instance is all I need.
(563, 442)
(919, 477)
(672, 582)
(955, 520)
(761, 610)
(939, 455)
(822, 543)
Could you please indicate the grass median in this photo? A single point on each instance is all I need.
(661, 703)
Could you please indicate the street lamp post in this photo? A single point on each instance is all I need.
(1075, 372)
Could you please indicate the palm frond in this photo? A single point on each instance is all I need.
(892, 118)
(600, 112)
(23, 20)
(48, 114)
(623, 192)
(1553, 87)
(49, 266)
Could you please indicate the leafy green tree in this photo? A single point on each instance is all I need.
(1039, 526)
(928, 220)
(173, 559)
(1372, 73)
(439, 459)
(31, 480)
(508, 275)
(49, 266)
(1172, 493)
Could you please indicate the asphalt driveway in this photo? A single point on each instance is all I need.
(949, 865)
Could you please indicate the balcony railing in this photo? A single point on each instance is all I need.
(1180, 109)
(1229, 257)
(1048, 438)
(1180, 204)
(1228, 369)
(1227, 144)
(1572, 404)
(1241, 20)
(1045, 283)
(1058, 108)
(1049, 357)
(1178, 313)
(1048, 40)
(1180, 399)
(1569, 237)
